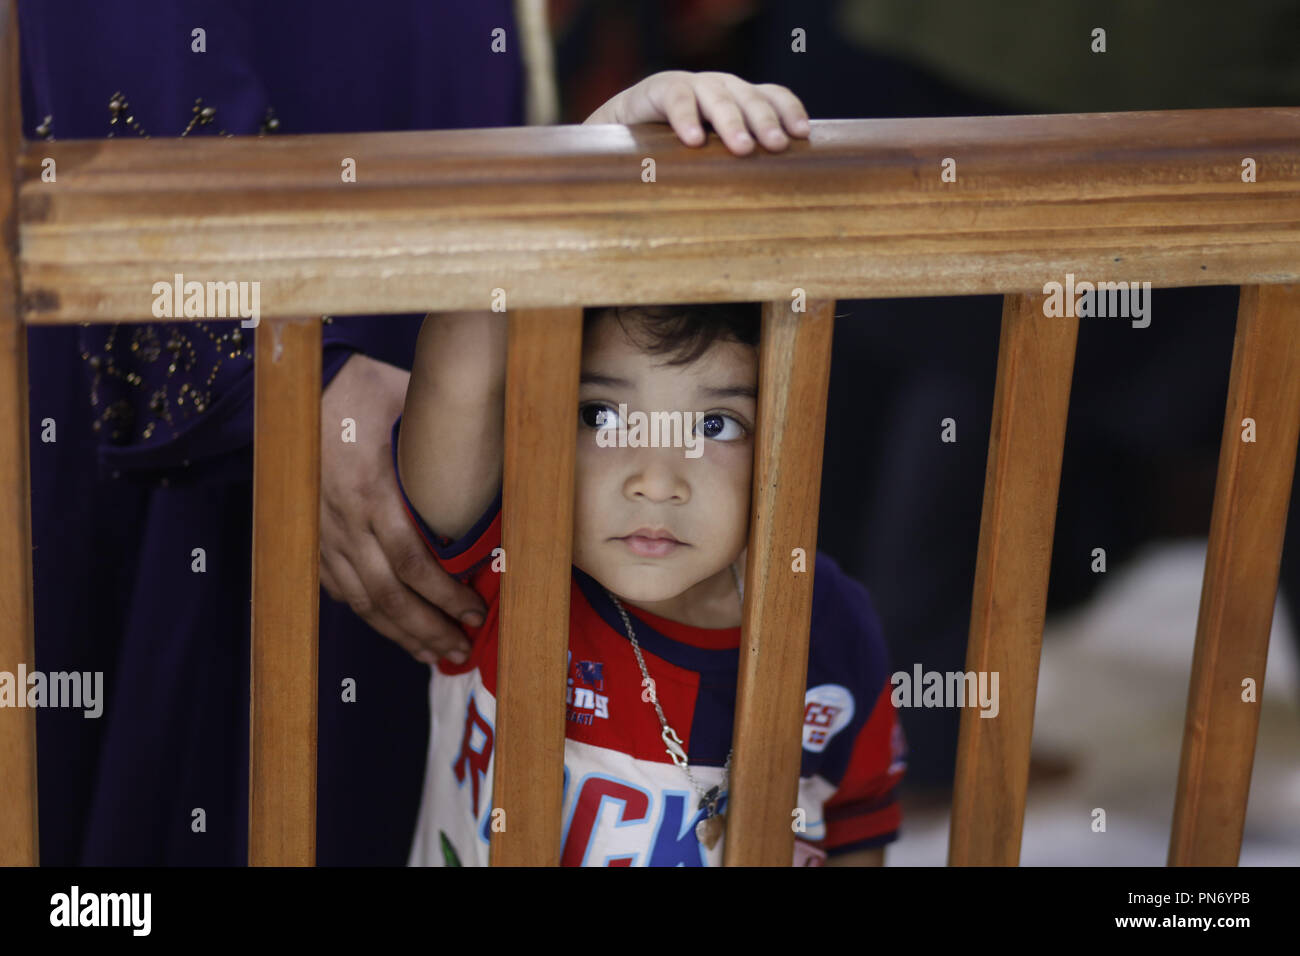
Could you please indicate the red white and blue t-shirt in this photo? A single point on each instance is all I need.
(625, 802)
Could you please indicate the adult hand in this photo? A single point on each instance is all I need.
(729, 103)
(372, 558)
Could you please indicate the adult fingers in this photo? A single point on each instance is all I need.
(416, 568)
(345, 586)
(389, 597)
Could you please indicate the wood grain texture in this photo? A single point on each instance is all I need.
(794, 372)
(544, 356)
(18, 818)
(1032, 397)
(560, 216)
(1251, 499)
(286, 593)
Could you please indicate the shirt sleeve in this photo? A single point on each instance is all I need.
(864, 811)
(465, 557)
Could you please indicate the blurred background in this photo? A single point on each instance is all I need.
(900, 509)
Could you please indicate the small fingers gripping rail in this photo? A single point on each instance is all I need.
(563, 217)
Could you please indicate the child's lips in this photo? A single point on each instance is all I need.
(651, 547)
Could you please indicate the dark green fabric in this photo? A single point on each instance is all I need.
(1160, 54)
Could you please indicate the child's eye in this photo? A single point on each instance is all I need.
(597, 415)
(721, 427)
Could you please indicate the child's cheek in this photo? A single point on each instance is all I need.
(595, 499)
(733, 462)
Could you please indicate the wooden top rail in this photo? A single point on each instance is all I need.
(560, 216)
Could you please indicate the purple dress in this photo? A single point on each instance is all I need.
(153, 456)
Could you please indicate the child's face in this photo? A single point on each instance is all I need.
(701, 500)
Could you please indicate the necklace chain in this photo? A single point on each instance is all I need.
(671, 740)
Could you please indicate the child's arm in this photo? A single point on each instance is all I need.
(449, 448)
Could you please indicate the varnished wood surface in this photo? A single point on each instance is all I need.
(18, 817)
(543, 353)
(560, 216)
(794, 371)
(286, 593)
(1017, 524)
(1251, 499)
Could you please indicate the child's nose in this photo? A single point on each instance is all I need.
(657, 475)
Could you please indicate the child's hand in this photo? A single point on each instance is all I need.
(727, 102)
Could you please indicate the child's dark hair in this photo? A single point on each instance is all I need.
(683, 332)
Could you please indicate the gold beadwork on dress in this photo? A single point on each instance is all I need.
(187, 390)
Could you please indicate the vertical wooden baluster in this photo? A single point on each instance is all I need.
(545, 351)
(794, 372)
(286, 593)
(1035, 368)
(18, 831)
(1251, 498)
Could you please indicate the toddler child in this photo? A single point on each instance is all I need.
(659, 545)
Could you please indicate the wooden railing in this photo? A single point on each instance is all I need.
(563, 217)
